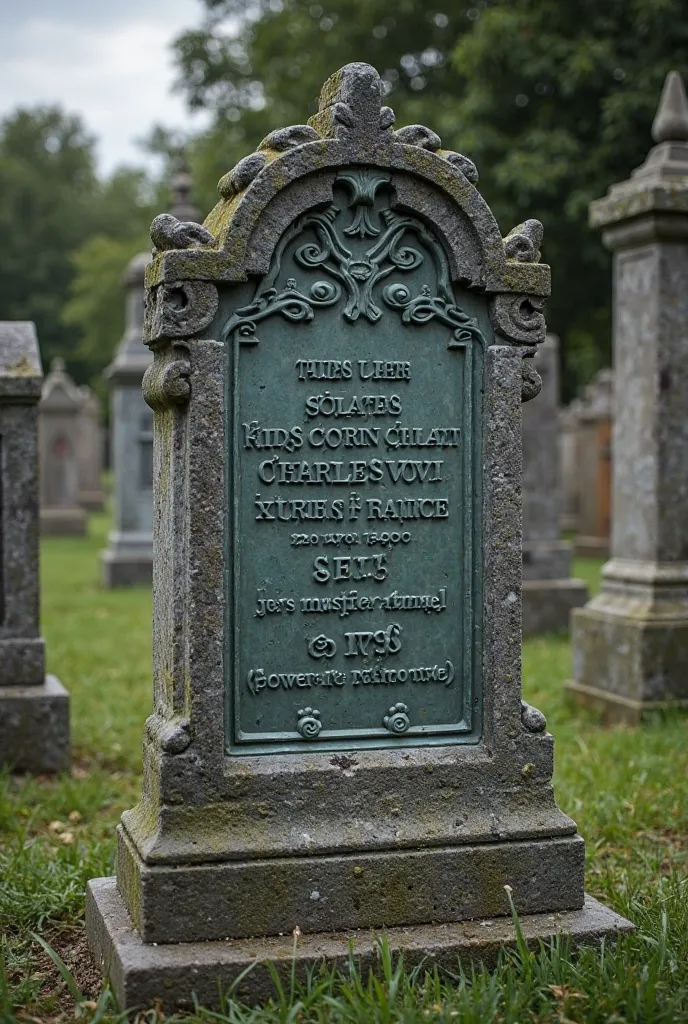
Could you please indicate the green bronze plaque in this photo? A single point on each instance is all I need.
(354, 408)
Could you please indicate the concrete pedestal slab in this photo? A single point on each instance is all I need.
(140, 973)
(34, 727)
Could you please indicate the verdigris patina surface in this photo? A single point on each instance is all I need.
(338, 740)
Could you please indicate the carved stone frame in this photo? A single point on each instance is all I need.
(258, 829)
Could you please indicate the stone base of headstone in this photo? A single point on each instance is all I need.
(127, 562)
(34, 727)
(140, 972)
(630, 643)
(549, 592)
(92, 501)
(547, 604)
(67, 522)
(591, 547)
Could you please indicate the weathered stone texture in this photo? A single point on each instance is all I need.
(594, 463)
(34, 710)
(136, 969)
(631, 642)
(349, 833)
(91, 495)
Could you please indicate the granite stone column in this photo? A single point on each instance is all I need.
(549, 593)
(34, 708)
(631, 642)
(128, 559)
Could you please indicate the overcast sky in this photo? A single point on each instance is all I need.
(108, 60)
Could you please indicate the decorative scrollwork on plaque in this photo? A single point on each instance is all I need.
(290, 303)
(426, 306)
(355, 270)
(309, 724)
(397, 720)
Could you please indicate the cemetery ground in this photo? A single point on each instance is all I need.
(626, 788)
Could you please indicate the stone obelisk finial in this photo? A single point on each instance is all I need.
(671, 120)
(183, 207)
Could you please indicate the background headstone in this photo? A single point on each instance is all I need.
(568, 466)
(34, 708)
(59, 445)
(338, 738)
(594, 466)
(128, 559)
(90, 453)
(549, 592)
(631, 642)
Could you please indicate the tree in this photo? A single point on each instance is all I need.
(47, 178)
(553, 101)
(556, 104)
(51, 203)
(269, 74)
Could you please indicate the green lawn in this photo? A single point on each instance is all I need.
(627, 789)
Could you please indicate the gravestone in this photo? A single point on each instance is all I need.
(594, 466)
(549, 592)
(59, 414)
(631, 641)
(338, 740)
(568, 466)
(90, 453)
(128, 559)
(34, 708)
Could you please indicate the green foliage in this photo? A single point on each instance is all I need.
(553, 101)
(626, 788)
(52, 204)
(96, 307)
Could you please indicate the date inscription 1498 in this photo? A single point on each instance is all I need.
(355, 412)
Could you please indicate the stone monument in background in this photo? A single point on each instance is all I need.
(549, 592)
(59, 428)
(594, 466)
(568, 466)
(338, 739)
(34, 708)
(631, 642)
(128, 559)
(90, 453)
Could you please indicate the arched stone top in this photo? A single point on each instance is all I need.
(294, 170)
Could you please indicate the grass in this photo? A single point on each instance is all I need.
(626, 788)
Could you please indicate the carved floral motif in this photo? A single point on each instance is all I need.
(356, 272)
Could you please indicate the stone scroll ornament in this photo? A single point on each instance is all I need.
(338, 762)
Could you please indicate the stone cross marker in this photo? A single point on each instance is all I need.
(34, 708)
(128, 559)
(549, 592)
(59, 429)
(338, 740)
(631, 641)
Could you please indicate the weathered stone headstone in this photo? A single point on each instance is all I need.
(90, 453)
(631, 641)
(34, 708)
(128, 559)
(338, 740)
(568, 465)
(59, 444)
(549, 592)
(594, 466)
